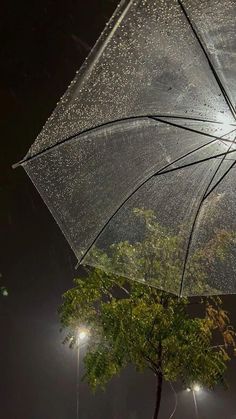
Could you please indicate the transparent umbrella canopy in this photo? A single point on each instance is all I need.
(137, 161)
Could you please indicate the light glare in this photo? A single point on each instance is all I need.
(82, 335)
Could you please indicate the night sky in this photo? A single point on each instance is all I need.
(43, 43)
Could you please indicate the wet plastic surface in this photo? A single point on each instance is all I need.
(157, 94)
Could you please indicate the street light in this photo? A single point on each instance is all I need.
(195, 389)
(82, 336)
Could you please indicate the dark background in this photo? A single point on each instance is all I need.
(43, 43)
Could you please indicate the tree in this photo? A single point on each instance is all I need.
(135, 323)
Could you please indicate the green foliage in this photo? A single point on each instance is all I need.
(158, 258)
(132, 322)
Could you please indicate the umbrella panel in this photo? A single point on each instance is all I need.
(151, 247)
(215, 22)
(214, 239)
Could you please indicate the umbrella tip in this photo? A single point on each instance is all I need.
(15, 165)
(19, 163)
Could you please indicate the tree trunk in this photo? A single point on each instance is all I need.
(158, 394)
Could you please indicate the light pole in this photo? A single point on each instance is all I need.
(195, 389)
(82, 337)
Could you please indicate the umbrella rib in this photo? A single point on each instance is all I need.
(220, 180)
(224, 155)
(218, 80)
(196, 162)
(208, 192)
(133, 192)
(173, 124)
(205, 195)
(131, 118)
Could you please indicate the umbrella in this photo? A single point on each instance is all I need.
(148, 126)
